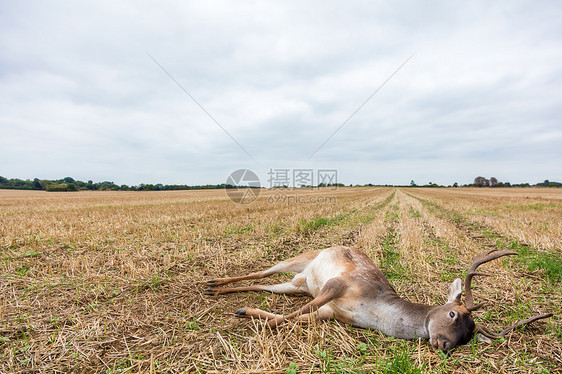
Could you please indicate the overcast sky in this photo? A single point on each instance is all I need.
(81, 96)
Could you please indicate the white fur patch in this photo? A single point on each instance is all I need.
(455, 291)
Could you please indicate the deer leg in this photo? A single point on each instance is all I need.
(323, 313)
(289, 288)
(331, 290)
(293, 265)
(255, 313)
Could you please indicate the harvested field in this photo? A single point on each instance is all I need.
(113, 282)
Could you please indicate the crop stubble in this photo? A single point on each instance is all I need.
(113, 281)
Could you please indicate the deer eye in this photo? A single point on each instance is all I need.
(452, 314)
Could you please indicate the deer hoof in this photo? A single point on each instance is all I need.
(210, 292)
(240, 313)
(211, 282)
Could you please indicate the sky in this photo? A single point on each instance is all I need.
(186, 92)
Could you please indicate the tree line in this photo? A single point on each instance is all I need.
(493, 182)
(70, 184)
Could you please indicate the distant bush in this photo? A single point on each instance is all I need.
(58, 187)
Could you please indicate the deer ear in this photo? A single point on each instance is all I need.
(455, 291)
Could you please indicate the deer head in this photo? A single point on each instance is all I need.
(452, 324)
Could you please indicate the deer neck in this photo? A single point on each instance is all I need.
(400, 318)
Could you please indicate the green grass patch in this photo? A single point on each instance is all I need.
(234, 231)
(390, 260)
(312, 224)
(306, 226)
(153, 283)
(533, 259)
(192, 325)
(374, 210)
(534, 207)
(401, 362)
(397, 355)
(549, 263)
(397, 360)
(22, 271)
(30, 254)
(414, 212)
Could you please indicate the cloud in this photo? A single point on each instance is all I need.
(81, 98)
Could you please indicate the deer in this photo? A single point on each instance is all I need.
(347, 286)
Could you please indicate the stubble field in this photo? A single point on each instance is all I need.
(113, 282)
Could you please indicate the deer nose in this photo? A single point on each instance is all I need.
(440, 342)
(434, 341)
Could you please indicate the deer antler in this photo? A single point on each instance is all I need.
(480, 259)
(525, 322)
(492, 335)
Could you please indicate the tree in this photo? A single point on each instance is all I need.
(412, 183)
(481, 182)
(493, 182)
(44, 183)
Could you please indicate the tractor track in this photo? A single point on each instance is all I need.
(478, 233)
